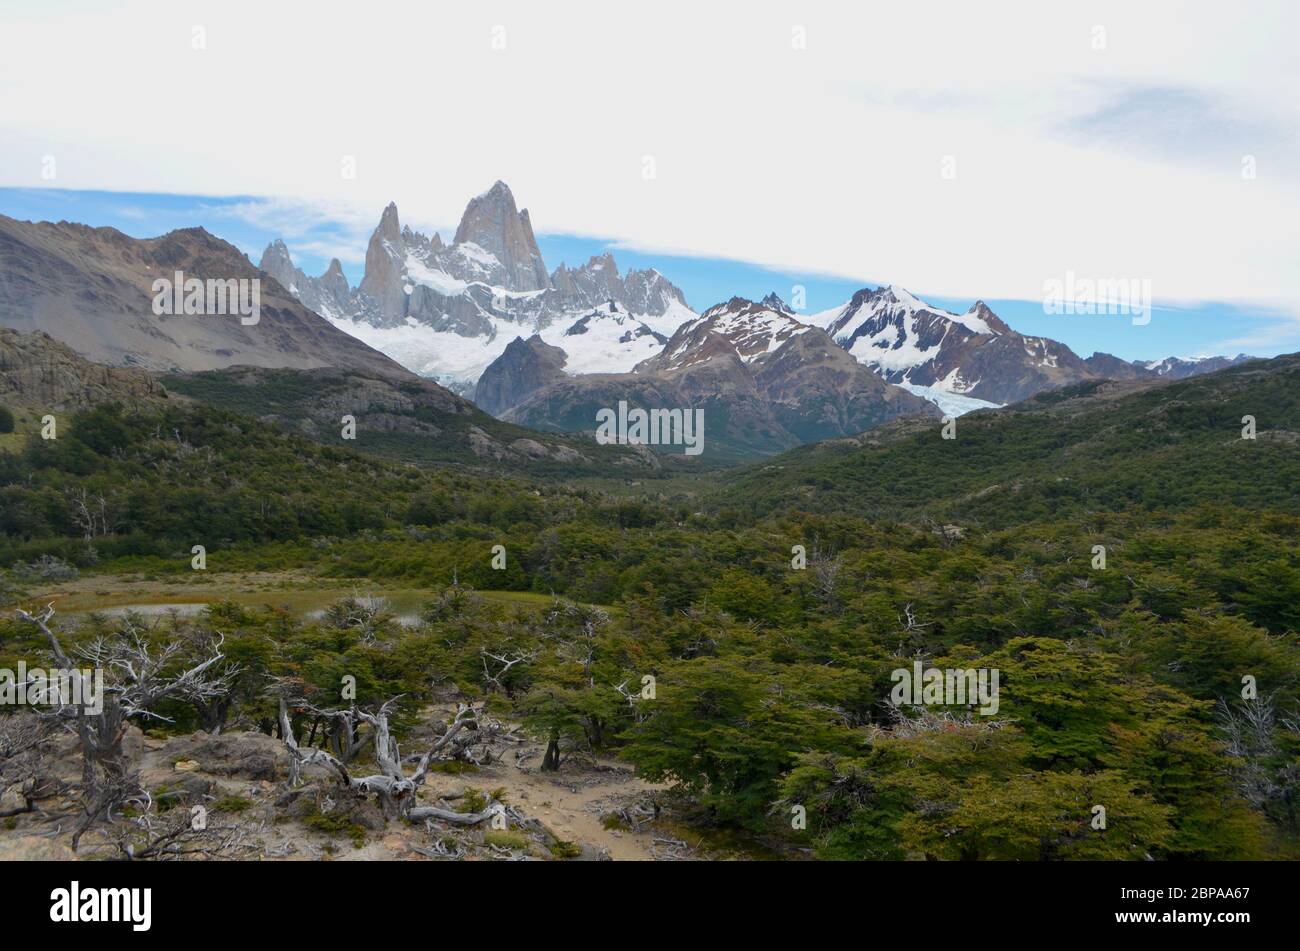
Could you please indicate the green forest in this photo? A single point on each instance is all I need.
(1129, 564)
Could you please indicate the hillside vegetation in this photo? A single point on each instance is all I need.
(1091, 447)
(769, 682)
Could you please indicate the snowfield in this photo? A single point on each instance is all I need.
(609, 343)
(952, 404)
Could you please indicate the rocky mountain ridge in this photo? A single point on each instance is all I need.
(446, 311)
(94, 290)
(764, 381)
(975, 354)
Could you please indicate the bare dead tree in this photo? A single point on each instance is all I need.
(175, 835)
(904, 724)
(22, 736)
(909, 621)
(345, 737)
(1252, 730)
(82, 515)
(504, 661)
(632, 697)
(91, 512)
(580, 652)
(365, 614)
(440, 850)
(909, 627)
(419, 813)
(563, 613)
(214, 706)
(343, 730)
(394, 789)
(137, 677)
(826, 573)
(574, 628)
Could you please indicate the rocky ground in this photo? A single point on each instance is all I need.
(240, 783)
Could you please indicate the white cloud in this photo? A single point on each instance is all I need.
(1277, 331)
(824, 159)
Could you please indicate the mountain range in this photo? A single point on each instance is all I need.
(975, 354)
(78, 328)
(801, 379)
(447, 310)
(542, 349)
(765, 381)
(483, 316)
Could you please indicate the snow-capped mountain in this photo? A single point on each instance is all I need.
(765, 381)
(973, 360)
(974, 354)
(328, 295)
(1178, 368)
(751, 330)
(447, 311)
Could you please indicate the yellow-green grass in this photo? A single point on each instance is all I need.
(290, 591)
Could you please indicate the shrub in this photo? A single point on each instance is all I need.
(503, 839)
(232, 804)
(45, 568)
(563, 849)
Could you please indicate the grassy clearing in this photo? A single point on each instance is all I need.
(293, 591)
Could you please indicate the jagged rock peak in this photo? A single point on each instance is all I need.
(335, 280)
(277, 262)
(389, 226)
(524, 367)
(493, 222)
(983, 312)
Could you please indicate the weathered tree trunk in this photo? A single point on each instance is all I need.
(213, 715)
(551, 761)
(142, 679)
(392, 787)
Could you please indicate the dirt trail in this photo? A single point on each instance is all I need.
(251, 767)
(569, 803)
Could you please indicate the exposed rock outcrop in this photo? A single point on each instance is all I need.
(525, 367)
(39, 372)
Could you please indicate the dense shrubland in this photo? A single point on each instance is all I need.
(1121, 686)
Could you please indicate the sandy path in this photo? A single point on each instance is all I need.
(569, 803)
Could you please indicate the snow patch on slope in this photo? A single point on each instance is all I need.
(675, 314)
(612, 342)
(757, 333)
(603, 341)
(952, 404)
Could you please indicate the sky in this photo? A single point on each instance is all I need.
(961, 151)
